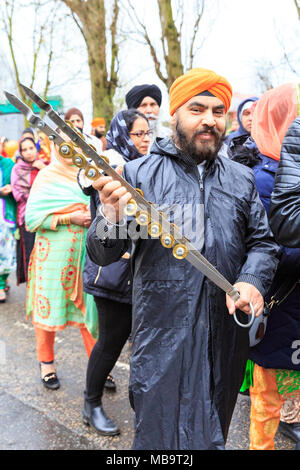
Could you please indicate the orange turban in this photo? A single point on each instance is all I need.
(274, 113)
(98, 121)
(195, 82)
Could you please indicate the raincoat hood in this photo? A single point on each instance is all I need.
(241, 130)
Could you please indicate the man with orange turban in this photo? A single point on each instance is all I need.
(196, 82)
(188, 356)
(98, 130)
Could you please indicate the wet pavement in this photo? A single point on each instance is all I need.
(34, 418)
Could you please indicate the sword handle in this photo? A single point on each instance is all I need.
(235, 295)
(250, 323)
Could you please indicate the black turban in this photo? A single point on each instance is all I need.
(136, 95)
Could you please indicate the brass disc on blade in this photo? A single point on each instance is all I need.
(131, 207)
(104, 157)
(138, 190)
(154, 229)
(80, 134)
(143, 218)
(91, 172)
(180, 251)
(70, 124)
(167, 240)
(66, 150)
(79, 160)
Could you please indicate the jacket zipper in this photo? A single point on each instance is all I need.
(98, 274)
(201, 184)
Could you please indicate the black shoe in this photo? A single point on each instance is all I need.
(50, 381)
(110, 383)
(291, 430)
(96, 417)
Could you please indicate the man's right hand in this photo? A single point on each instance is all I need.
(113, 196)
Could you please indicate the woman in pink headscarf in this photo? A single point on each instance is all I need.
(22, 177)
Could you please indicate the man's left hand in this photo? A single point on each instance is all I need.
(248, 293)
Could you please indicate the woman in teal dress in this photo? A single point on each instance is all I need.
(7, 226)
(58, 212)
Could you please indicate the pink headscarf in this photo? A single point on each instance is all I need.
(274, 113)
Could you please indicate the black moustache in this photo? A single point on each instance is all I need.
(208, 131)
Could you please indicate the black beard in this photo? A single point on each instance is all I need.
(99, 134)
(190, 148)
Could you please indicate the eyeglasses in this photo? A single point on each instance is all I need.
(141, 134)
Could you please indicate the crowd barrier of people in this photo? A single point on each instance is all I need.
(189, 360)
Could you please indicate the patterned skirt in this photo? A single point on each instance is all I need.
(7, 249)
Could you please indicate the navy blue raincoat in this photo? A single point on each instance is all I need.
(188, 356)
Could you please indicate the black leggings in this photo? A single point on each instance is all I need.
(24, 248)
(114, 330)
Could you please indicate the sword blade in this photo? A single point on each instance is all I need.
(36, 98)
(193, 257)
(203, 265)
(34, 120)
(17, 103)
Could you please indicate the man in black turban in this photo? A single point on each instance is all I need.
(136, 96)
(147, 99)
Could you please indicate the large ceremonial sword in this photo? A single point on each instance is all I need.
(143, 210)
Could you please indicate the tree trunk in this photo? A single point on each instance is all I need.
(171, 38)
(38, 35)
(170, 42)
(93, 27)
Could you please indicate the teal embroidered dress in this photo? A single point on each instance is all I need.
(55, 296)
(7, 224)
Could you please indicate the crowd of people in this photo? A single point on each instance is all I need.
(69, 239)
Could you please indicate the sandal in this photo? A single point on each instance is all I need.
(50, 380)
(110, 383)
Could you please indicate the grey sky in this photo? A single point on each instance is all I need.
(244, 33)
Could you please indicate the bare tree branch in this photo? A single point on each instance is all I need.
(114, 48)
(178, 41)
(8, 25)
(157, 64)
(297, 5)
(50, 57)
(75, 19)
(200, 8)
(44, 26)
